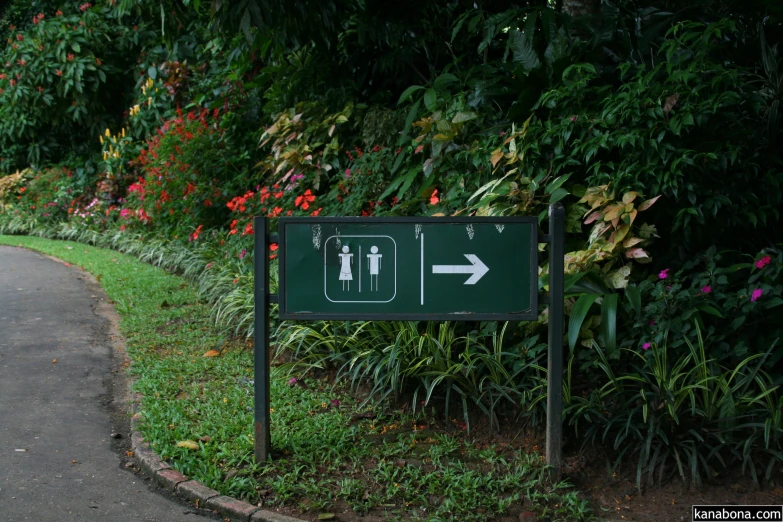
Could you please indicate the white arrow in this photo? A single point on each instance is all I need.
(476, 268)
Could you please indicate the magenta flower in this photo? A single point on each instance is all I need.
(706, 289)
(756, 294)
(347, 173)
(242, 254)
(764, 261)
(663, 274)
(651, 323)
(646, 346)
(292, 381)
(335, 402)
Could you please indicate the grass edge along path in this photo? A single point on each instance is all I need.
(327, 455)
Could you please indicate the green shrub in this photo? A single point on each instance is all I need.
(61, 84)
(682, 412)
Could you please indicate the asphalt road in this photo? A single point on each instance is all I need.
(61, 398)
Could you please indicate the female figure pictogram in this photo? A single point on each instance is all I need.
(346, 260)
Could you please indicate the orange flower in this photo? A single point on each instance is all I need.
(434, 197)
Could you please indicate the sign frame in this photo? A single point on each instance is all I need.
(529, 315)
(554, 299)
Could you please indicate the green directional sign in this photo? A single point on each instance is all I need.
(408, 268)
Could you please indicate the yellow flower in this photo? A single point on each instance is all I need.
(123, 132)
(107, 133)
(101, 138)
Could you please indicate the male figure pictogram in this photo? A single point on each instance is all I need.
(374, 262)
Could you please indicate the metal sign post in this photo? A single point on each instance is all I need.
(418, 268)
(554, 380)
(262, 444)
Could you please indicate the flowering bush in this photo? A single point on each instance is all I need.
(738, 306)
(50, 194)
(184, 175)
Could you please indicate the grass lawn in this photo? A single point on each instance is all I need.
(329, 455)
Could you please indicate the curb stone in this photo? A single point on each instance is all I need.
(271, 516)
(231, 507)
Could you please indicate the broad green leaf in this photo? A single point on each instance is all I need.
(444, 80)
(431, 99)
(406, 94)
(578, 314)
(557, 195)
(772, 303)
(609, 320)
(709, 309)
(76, 47)
(152, 71)
(557, 183)
(464, 116)
(634, 296)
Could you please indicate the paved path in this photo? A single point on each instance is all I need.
(58, 460)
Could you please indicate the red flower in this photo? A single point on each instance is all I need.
(316, 212)
(305, 200)
(84, 7)
(70, 57)
(248, 230)
(194, 235)
(275, 212)
(237, 203)
(58, 13)
(273, 247)
(232, 226)
(434, 197)
(58, 72)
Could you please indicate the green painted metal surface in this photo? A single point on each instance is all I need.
(408, 268)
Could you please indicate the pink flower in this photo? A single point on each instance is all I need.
(663, 274)
(335, 402)
(764, 261)
(756, 294)
(242, 254)
(292, 381)
(347, 173)
(646, 346)
(706, 289)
